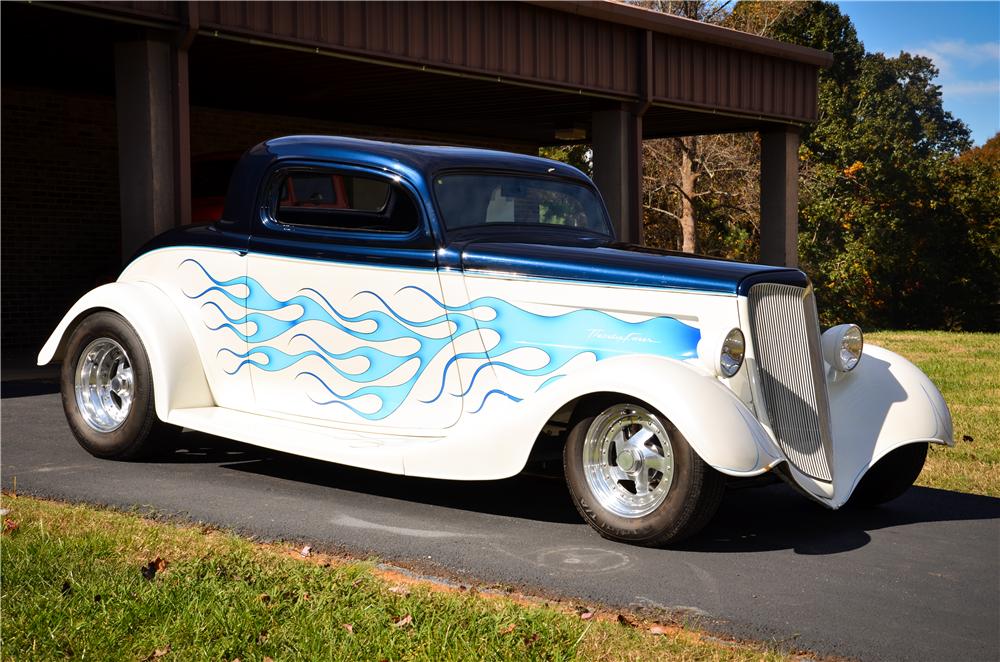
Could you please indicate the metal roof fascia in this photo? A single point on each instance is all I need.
(677, 26)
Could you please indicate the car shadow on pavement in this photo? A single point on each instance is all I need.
(759, 519)
(21, 388)
(533, 496)
(197, 448)
(777, 518)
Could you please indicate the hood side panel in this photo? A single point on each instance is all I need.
(621, 264)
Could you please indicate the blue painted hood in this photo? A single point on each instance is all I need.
(597, 261)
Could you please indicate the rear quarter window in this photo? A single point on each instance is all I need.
(340, 200)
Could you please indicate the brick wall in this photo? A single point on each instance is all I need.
(59, 208)
(214, 131)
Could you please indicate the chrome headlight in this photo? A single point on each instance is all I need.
(733, 351)
(843, 346)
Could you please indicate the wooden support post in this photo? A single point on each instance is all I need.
(617, 143)
(779, 196)
(147, 172)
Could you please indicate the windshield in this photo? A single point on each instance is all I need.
(488, 200)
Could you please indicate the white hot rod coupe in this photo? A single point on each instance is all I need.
(429, 311)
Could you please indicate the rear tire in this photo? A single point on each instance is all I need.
(634, 478)
(107, 390)
(891, 476)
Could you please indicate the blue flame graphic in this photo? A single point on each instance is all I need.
(561, 337)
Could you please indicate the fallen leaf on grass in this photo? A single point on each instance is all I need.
(403, 622)
(530, 641)
(150, 569)
(158, 653)
(306, 551)
(10, 526)
(626, 621)
(264, 597)
(587, 615)
(508, 629)
(659, 629)
(347, 626)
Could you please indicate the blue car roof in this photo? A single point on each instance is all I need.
(427, 159)
(542, 254)
(419, 162)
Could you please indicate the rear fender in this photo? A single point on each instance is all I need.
(178, 377)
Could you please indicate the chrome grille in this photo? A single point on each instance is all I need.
(785, 333)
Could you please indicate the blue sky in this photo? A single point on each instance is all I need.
(963, 40)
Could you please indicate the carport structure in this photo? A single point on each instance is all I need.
(516, 75)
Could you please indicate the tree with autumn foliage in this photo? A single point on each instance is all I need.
(898, 216)
(892, 218)
(973, 185)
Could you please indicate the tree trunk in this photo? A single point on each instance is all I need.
(689, 177)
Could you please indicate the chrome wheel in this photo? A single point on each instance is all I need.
(628, 460)
(104, 385)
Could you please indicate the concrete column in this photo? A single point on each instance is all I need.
(779, 196)
(147, 140)
(617, 143)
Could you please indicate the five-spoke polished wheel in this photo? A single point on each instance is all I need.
(634, 477)
(628, 460)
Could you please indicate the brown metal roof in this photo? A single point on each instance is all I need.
(535, 65)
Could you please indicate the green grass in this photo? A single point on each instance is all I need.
(966, 368)
(72, 588)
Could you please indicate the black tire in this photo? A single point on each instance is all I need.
(690, 503)
(891, 476)
(141, 431)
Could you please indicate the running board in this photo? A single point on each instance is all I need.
(357, 449)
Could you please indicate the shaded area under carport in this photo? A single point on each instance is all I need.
(514, 76)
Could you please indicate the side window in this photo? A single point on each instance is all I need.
(322, 198)
(470, 199)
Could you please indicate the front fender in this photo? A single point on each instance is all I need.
(717, 425)
(884, 403)
(178, 378)
(496, 444)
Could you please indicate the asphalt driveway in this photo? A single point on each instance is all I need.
(918, 579)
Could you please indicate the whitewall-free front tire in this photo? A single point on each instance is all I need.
(634, 477)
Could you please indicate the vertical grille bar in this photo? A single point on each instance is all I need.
(785, 333)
